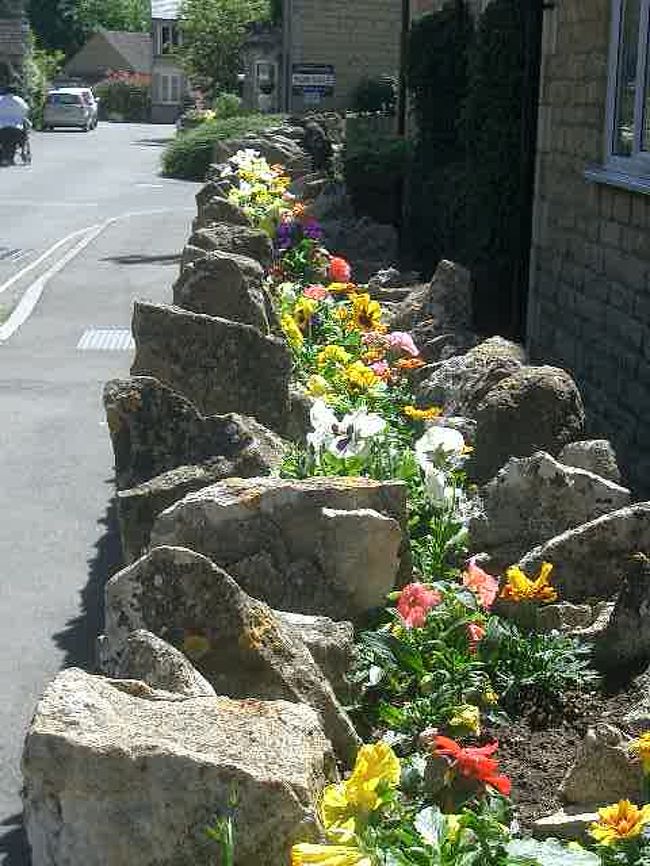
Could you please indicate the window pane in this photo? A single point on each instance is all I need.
(626, 79)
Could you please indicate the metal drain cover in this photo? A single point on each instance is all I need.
(12, 254)
(106, 340)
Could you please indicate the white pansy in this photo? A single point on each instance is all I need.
(438, 490)
(438, 445)
(346, 438)
(325, 426)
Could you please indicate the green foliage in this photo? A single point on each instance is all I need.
(227, 105)
(375, 95)
(125, 97)
(92, 15)
(189, 155)
(213, 34)
(222, 831)
(41, 66)
(66, 24)
(375, 167)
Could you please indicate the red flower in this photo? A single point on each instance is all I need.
(475, 634)
(340, 271)
(474, 762)
(414, 602)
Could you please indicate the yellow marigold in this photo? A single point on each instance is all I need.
(328, 855)
(291, 331)
(303, 312)
(299, 210)
(376, 768)
(318, 386)
(518, 587)
(410, 363)
(342, 288)
(416, 414)
(358, 377)
(332, 355)
(490, 696)
(621, 821)
(365, 314)
(641, 748)
(467, 716)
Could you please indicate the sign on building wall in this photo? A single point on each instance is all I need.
(312, 81)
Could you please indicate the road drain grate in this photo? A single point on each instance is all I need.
(106, 340)
(11, 254)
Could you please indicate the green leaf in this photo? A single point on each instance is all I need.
(550, 852)
(430, 824)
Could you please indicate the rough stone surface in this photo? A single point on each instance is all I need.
(564, 616)
(153, 429)
(624, 646)
(219, 210)
(212, 188)
(536, 498)
(461, 382)
(330, 643)
(275, 148)
(603, 771)
(535, 409)
(594, 455)
(241, 240)
(238, 643)
(221, 366)
(570, 824)
(118, 773)
(328, 546)
(590, 562)
(447, 299)
(225, 285)
(146, 657)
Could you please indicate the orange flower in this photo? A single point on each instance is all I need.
(482, 584)
(410, 363)
(518, 587)
(474, 762)
(339, 270)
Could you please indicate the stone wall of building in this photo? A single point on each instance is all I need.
(589, 305)
(13, 40)
(360, 38)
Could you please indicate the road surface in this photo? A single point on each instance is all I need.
(85, 230)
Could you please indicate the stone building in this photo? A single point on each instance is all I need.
(329, 46)
(589, 303)
(13, 40)
(168, 84)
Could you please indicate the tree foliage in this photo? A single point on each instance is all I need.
(213, 35)
(66, 24)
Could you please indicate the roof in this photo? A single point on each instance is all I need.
(135, 48)
(168, 9)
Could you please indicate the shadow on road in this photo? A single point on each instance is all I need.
(14, 850)
(153, 142)
(137, 259)
(78, 638)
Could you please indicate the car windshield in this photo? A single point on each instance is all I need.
(63, 99)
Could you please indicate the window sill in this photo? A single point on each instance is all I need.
(619, 179)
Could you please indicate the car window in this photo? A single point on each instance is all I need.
(63, 99)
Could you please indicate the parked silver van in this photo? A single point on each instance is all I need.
(70, 106)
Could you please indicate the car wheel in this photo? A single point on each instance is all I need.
(86, 127)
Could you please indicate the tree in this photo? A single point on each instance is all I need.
(92, 15)
(213, 34)
(67, 24)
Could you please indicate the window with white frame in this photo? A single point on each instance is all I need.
(628, 109)
(167, 88)
(168, 37)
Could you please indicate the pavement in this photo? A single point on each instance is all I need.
(84, 230)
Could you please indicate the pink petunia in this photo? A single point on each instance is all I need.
(316, 292)
(414, 603)
(481, 583)
(403, 341)
(380, 369)
(475, 634)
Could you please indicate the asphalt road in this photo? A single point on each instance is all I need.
(58, 539)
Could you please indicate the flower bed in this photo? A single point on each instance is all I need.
(456, 658)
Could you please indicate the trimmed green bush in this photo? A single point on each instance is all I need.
(189, 155)
(375, 167)
(227, 105)
(125, 96)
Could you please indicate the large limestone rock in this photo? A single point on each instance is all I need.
(330, 643)
(238, 643)
(148, 658)
(604, 771)
(594, 455)
(624, 646)
(447, 300)
(535, 498)
(217, 187)
(228, 286)
(590, 562)
(275, 148)
(535, 409)
(118, 773)
(461, 382)
(153, 429)
(219, 210)
(221, 366)
(329, 546)
(241, 240)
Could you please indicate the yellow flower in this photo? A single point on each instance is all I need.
(452, 823)
(521, 588)
(641, 748)
(342, 288)
(467, 716)
(318, 386)
(490, 696)
(416, 414)
(332, 355)
(303, 311)
(343, 804)
(365, 314)
(622, 820)
(291, 331)
(328, 855)
(358, 377)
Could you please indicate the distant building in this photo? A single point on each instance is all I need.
(13, 40)
(111, 51)
(169, 85)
